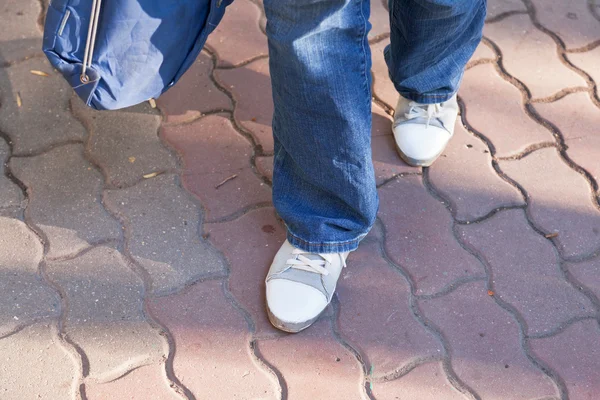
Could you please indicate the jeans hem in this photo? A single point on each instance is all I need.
(426, 98)
(324, 247)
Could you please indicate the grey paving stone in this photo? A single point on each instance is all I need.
(163, 223)
(125, 143)
(34, 366)
(105, 316)
(24, 297)
(64, 199)
(10, 194)
(43, 118)
(19, 31)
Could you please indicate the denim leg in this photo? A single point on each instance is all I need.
(431, 42)
(323, 178)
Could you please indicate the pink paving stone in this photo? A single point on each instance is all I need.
(560, 200)
(238, 37)
(465, 176)
(578, 119)
(569, 19)
(425, 382)
(250, 86)
(249, 243)
(194, 94)
(264, 165)
(213, 151)
(587, 273)
(20, 34)
(485, 345)
(373, 295)
(144, 383)
(483, 53)
(380, 19)
(10, 194)
(497, 7)
(574, 354)
(530, 56)
(314, 365)
(589, 62)
(420, 238)
(529, 275)
(383, 88)
(212, 344)
(494, 108)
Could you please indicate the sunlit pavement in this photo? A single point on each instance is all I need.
(134, 244)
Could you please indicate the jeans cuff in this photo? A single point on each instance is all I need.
(431, 98)
(324, 247)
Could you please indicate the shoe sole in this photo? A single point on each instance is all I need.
(291, 327)
(413, 162)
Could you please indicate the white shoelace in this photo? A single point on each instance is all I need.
(417, 110)
(304, 263)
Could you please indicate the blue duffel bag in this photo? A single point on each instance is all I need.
(117, 53)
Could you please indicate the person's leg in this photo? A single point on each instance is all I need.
(431, 42)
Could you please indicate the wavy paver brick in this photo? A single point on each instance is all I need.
(465, 176)
(238, 37)
(64, 200)
(212, 152)
(105, 316)
(250, 87)
(24, 297)
(486, 352)
(587, 274)
(194, 95)
(588, 61)
(143, 383)
(10, 194)
(124, 143)
(21, 36)
(578, 119)
(575, 355)
(249, 244)
(560, 201)
(213, 355)
(425, 382)
(379, 19)
(383, 88)
(570, 20)
(495, 8)
(495, 109)
(162, 229)
(43, 118)
(372, 295)
(264, 166)
(314, 365)
(420, 239)
(530, 56)
(528, 276)
(34, 366)
(483, 54)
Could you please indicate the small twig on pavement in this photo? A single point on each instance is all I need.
(226, 180)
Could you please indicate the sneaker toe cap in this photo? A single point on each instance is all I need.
(294, 302)
(421, 142)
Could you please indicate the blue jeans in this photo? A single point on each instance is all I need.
(323, 179)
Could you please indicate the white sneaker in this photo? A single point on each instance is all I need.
(300, 285)
(422, 131)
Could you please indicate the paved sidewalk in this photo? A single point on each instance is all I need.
(134, 244)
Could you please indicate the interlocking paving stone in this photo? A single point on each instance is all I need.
(249, 243)
(497, 7)
(578, 119)
(116, 136)
(575, 355)
(530, 56)
(212, 356)
(587, 273)
(425, 382)
(588, 61)
(105, 316)
(164, 238)
(64, 199)
(420, 239)
(250, 86)
(24, 297)
(482, 53)
(34, 366)
(314, 365)
(264, 165)
(495, 109)
(465, 176)
(143, 383)
(528, 276)
(486, 351)
(383, 87)
(560, 200)
(571, 20)
(213, 151)
(194, 94)
(373, 295)
(20, 34)
(43, 118)
(10, 194)
(379, 19)
(238, 37)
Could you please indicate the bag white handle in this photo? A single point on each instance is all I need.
(91, 40)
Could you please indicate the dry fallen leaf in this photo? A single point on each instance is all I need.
(152, 103)
(551, 235)
(132, 159)
(19, 102)
(490, 292)
(151, 175)
(38, 73)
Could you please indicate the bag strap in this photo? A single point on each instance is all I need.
(91, 40)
